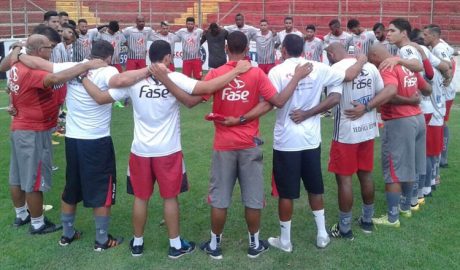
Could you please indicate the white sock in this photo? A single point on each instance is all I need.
(433, 181)
(138, 241)
(320, 222)
(254, 239)
(21, 212)
(426, 190)
(175, 243)
(215, 240)
(285, 236)
(37, 222)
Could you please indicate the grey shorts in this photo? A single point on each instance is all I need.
(31, 160)
(246, 166)
(403, 149)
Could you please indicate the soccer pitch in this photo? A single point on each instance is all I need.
(427, 240)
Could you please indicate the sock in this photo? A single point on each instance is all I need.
(429, 172)
(421, 185)
(254, 240)
(445, 144)
(368, 212)
(138, 241)
(21, 212)
(345, 221)
(285, 237)
(67, 221)
(215, 240)
(406, 195)
(393, 209)
(320, 221)
(175, 243)
(426, 190)
(102, 227)
(37, 222)
(414, 194)
(433, 181)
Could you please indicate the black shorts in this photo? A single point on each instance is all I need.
(290, 167)
(90, 172)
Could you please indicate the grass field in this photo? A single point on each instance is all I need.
(428, 240)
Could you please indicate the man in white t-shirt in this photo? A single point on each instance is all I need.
(352, 148)
(337, 35)
(297, 137)
(156, 154)
(361, 38)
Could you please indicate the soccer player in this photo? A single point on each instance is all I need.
(352, 148)
(432, 37)
(361, 38)
(31, 155)
(156, 154)
(137, 37)
(265, 47)
(191, 54)
(51, 19)
(85, 40)
(313, 47)
(297, 137)
(248, 30)
(288, 29)
(171, 38)
(63, 17)
(381, 37)
(403, 138)
(237, 150)
(216, 37)
(337, 34)
(117, 39)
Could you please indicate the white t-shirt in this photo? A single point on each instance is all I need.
(156, 115)
(409, 52)
(362, 89)
(428, 102)
(362, 42)
(443, 52)
(85, 118)
(281, 35)
(289, 136)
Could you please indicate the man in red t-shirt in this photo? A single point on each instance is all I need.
(404, 129)
(30, 165)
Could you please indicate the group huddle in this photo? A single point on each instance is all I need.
(412, 92)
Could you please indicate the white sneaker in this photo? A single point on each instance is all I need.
(322, 242)
(276, 242)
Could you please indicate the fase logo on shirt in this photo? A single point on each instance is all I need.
(156, 92)
(234, 93)
(409, 80)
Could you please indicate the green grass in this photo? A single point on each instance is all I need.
(428, 240)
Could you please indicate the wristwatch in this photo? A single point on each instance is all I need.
(243, 120)
(81, 77)
(366, 108)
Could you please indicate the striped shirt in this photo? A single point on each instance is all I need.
(248, 30)
(190, 43)
(392, 49)
(313, 50)
(344, 39)
(281, 35)
(117, 40)
(362, 42)
(265, 46)
(137, 41)
(170, 38)
(59, 55)
(83, 45)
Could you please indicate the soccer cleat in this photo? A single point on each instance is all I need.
(336, 233)
(58, 134)
(383, 220)
(136, 251)
(213, 253)
(444, 165)
(110, 243)
(48, 227)
(53, 142)
(18, 222)
(276, 242)
(65, 241)
(54, 168)
(322, 242)
(118, 104)
(421, 201)
(255, 252)
(186, 248)
(415, 207)
(47, 207)
(366, 227)
(405, 213)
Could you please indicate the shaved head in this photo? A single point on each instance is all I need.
(336, 52)
(377, 53)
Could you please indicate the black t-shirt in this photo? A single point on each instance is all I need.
(216, 48)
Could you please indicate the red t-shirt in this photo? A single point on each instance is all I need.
(37, 109)
(408, 83)
(236, 99)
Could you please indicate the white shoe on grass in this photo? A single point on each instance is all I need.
(276, 242)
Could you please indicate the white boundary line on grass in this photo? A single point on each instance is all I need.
(4, 108)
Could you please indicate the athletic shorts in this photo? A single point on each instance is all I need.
(347, 159)
(290, 167)
(134, 64)
(245, 165)
(427, 118)
(31, 160)
(266, 67)
(192, 66)
(403, 149)
(434, 140)
(118, 67)
(143, 172)
(448, 107)
(90, 172)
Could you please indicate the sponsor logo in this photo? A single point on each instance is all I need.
(157, 92)
(235, 91)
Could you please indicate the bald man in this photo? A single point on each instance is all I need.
(352, 148)
(404, 129)
(137, 37)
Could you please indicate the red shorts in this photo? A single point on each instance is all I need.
(192, 66)
(427, 118)
(171, 67)
(448, 107)
(347, 159)
(59, 95)
(134, 64)
(434, 140)
(118, 67)
(266, 67)
(145, 171)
